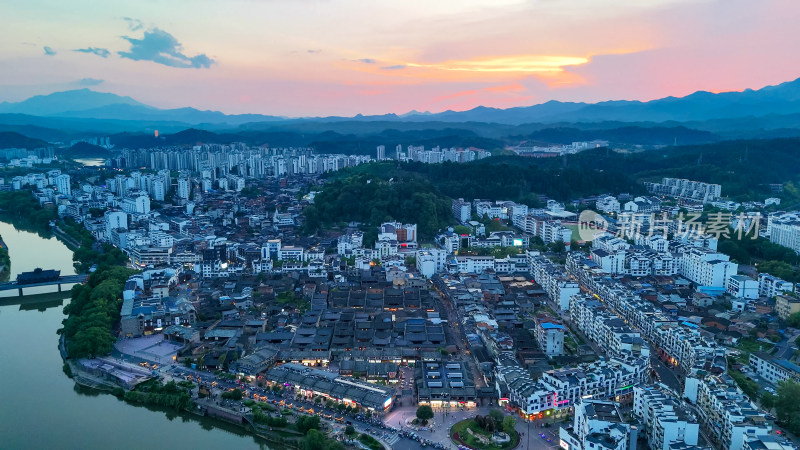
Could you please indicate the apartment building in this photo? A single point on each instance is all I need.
(598, 425)
(727, 413)
(772, 369)
(742, 286)
(786, 305)
(462, 210)
(550, 337)
(784, 229)
(667, 421)
(770, 286)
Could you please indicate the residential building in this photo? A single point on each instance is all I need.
(742, 286)
(598, 425)
(784, 229)
(550, 337)
(770, 286)
(786, 305)
(772, 369)
(667, 421)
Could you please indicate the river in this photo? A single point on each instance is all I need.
(91, 162)
(42, 408)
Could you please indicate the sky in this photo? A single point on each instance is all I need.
(345, 57)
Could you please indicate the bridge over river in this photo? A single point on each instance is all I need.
(61, 280)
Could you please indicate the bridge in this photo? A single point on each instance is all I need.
(67, 279)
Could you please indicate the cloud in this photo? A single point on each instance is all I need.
(366, 60)
(314, 51)
(49, 51)
(162, 48)
(395, 67)
(101, 52)
(89, 82)
(523, 63)
(133, 24)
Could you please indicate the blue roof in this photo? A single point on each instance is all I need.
(551, 326)
(788, 366)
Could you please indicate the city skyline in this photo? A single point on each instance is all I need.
(346, 58)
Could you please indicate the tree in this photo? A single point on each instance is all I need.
(787, 407)
(314, 440)
(349, 430)
(768, 401)
(306, 423)
(497, 415)
(424, 413)
(235, 394)
(793, 320)
(508, 424)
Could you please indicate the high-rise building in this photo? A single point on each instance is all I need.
(63, 185)
(381, 153)
(158, 189)
(184, 188)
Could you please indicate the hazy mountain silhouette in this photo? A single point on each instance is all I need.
(11, 139)
(59, 102)
(89, 104)
(772, 111)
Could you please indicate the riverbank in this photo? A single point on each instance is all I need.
(5, 261)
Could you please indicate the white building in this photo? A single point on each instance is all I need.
(63, 186)
(727, 413)
(770, 286)
(742, 286)
(115, 220)
(462, 210)
(607, 204)
(666, 420)
(431, 261)
(773, 370)
(597, 425)
(784, 229)
(184, 188)
(707, 268)
(550, 337)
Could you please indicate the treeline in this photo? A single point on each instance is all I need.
(5, 263)
(90, 253)
(169, 395)
(22, 210)
(373, 200)
(94, 312)
(767, 257)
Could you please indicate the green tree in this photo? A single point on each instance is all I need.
(235, 394)
(793, 320)
(508, 424)
(787, 408)
(768, 401)
(349, 430)
(314, 440)
(424, 413)
(497, 415)
(306, 423)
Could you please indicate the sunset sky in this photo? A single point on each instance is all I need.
(308, 58)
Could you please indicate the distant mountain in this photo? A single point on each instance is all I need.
(10, 139)
(89, 104)
(773, 111)
(85, 150)
(59, 102)
(782, 99)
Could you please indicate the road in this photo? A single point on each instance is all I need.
(785, 348)
(665, 374)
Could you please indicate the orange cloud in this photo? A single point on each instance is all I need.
(508, 64)
(515, 87)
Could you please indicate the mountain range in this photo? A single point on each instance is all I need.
(780, 100)
(772, 111)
